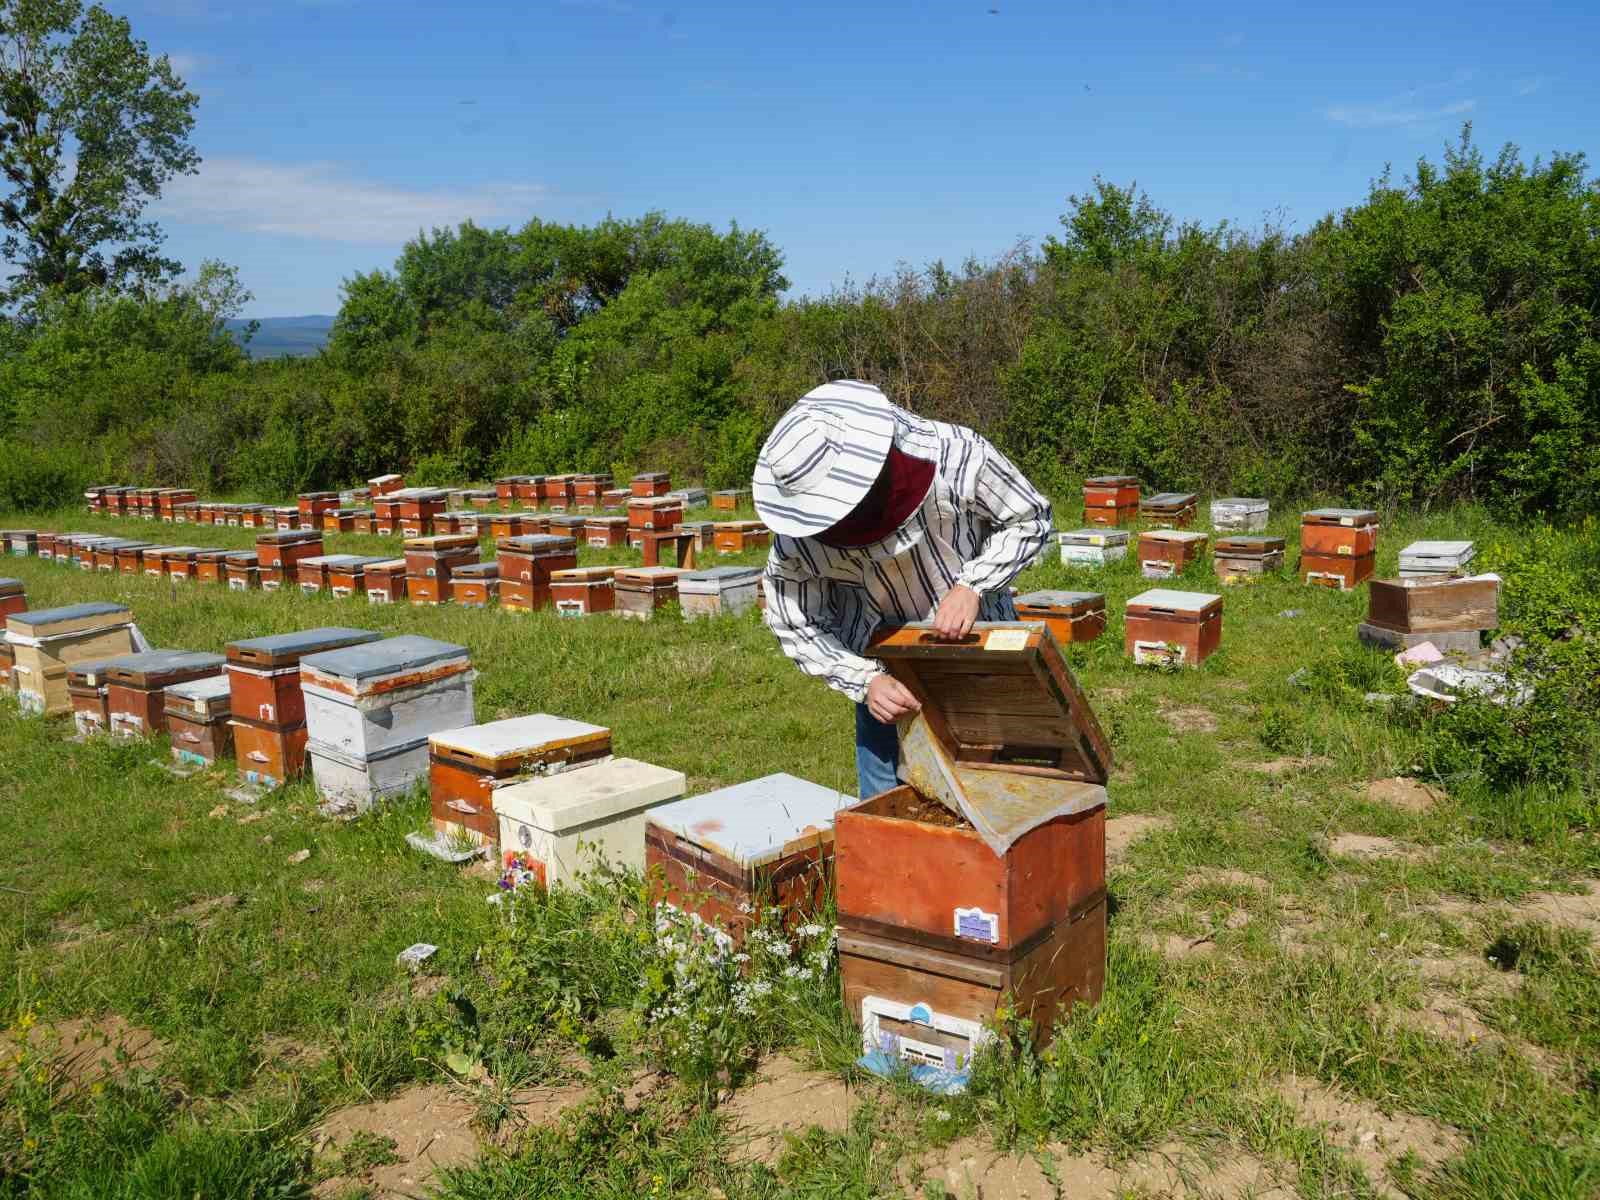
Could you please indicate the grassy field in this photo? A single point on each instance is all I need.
(1326, 979)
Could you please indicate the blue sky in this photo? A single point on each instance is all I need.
(857, 136)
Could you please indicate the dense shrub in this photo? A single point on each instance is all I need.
(34, 480)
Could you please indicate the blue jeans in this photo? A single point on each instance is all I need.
(877, 753)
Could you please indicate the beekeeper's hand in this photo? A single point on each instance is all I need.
(888, 699)
(956, 612)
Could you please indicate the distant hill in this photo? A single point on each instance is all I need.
(280, 337)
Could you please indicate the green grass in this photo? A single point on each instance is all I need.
(104, 858)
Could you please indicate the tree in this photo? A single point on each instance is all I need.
(91, 129)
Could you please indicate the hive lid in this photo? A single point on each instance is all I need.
(1171, 500)
(1248, 544)
(286, 649)
(318, 496)
(157, 668)
(1186, 537)
(462, 514)
(583, 575)
(1093, 537)
(516, 478)
(91, 674)
(242, 558)
(1005, 735)
(732, 492)
(602, 792)
(565, 521)
(477, 570)
(366, 561)
(387, 564)
(419, 493)
(70, 618)
(1340, 516)
(1456, 551)
(176, 551)
(326, 562)
(440, 542)
(10, 587)
(206, 690)
(1111, 481)
(499, 742)
(652, 476)
(377, 479)
(1057, 599)
(716, 579)
(288, 537)
(537, 543)
(1167, 598)
(756, 822)
(212, 555)
(737, 526)
(608, 522)
(117, 545)
(650, 576)
(370, 660)
(1245, 503)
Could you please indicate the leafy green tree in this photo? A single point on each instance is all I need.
(91, 128)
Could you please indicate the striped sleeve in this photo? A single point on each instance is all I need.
(801, 613)
(1018, 516)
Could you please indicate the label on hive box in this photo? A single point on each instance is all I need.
(1158, 652)
(977, 925)
(1158, 568)
(1006, 639)
(377, 597)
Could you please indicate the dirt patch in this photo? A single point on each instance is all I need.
(1191, 720)
(969, 1169)
(1122, 832)
(69, 936)
(87, 1050)
(1369, 1135)
(1364, 846)
(287, 1053)
(430, 1127)
(207, 909)
(1111, 695)
(1408, 795)
(1468, 972)
(1224, 877)
(784, 1098)
(1178, 945)
(1580, 911)
(1447, 1018)
(1285, 766)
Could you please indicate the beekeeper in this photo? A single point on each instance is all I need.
(880, 516)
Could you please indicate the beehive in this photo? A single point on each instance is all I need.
(198, 715)
(651, 483)
(211, 566)
(1436, 605)
(179, 562)
(1237, 514)
(505, 490)
(642, 590)
(461, 521)
(385, 581)
(556, 828)
(279, 553)
(586, 491)
(312, 505)
(244, 571)
(605, 532)
(382, 485)
(347, 578)
(435, 557)
(340, 520)
(581, 591)
(467, 766)
(268, 755)
(370, 709)
(312, 574)
(730, 854)
(1244, 558)
(654, 512)
(1421, 559)
(1070, 616)
(1338, 546)
(719, 590)
(1173, 509)
(480, 499)
(555, 492)
(418, 508)
(1110, 499)
(13, 597)
(264, 672)
(45, 642)
(518, 524)
(704, 533)
(136, 702)
(984, 874)
(385, 516)
(526, 564)
(1165, 553)
(615, 498)
(1164, 627)
(22, 543)
(734, 537)
(285, 518)
(474, 585)
(730, 499)
(86, 692)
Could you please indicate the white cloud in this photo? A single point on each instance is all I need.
(1389, 114)
(321, 201)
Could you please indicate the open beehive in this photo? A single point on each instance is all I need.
(983, 874)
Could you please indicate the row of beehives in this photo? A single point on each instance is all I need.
(533, 571)
(387, 506)
(981, 877)
(1338, 549)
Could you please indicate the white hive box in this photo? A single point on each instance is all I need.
(1435, 558)
(1239, 515)
(364, 701)
(350, 784)
(558, 824)
(718, 590)
(1092, 547)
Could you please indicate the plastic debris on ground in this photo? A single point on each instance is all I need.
(444, 847)
(414, 955)
(1447, 683)
(1421, 655)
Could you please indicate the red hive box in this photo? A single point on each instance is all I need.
(1110, 499)
(243, 570)
(13, 598)
(268, 754)
(605, 532)
(732, 537)
(1165, 627)
(136, 703)
(1070, 616)
(197, 720)
(269, 709)
(651, 483)
(473, 585)
(385, 581)
(1173, 509)
(385, 515)
(984, 875)
(464, 521)
(526, 564)
(280, 552)
(382, 485)
(418, 508)
(86, 686)
(347, 577)
(1165, 553)
(435, 557)
(517, 524)
(555, 492)
(580, 591)
(615, 499)
(211, 566)
(587, 490)
(654, 512)
(313, 504)
(1338, 546)
(480, 499)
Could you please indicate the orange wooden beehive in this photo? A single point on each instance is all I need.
(1166, 627)
(605, 532)
(651, 483)
(1110, 499)
(518, 524)
(732, 537)
(1070, 616)
(264, 673)
(474, 585)
(1165, 553)
(1338, 546)
(385, 581)
(580, 591)
(526, 564)
(313, 504)
(136, 704)
(654, 512)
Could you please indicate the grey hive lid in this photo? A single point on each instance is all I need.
(70, 612)
(409, 652)
(1175, 600)
(535, 543)
(1244, 502)
(121, 544)
(515, 735)
(1093, 537)
(419, 493)
(753, 823)
(283, 648)
(142, 667)
(366, 560)
(9, 585)
(1437, 550)
(289, 537)
(722, 575)
(472, 570)
(1341, 514)
(328, 560)
(93, 673)
(213, 687)
(1056, 599)
(1167, 499)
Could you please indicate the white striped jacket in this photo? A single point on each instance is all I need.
(981, 524)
